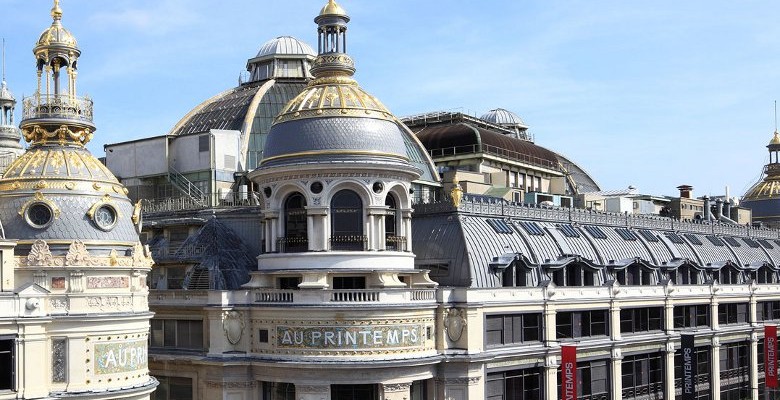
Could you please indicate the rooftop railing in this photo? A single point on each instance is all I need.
(491, 206)
(62, 106)
(496, 151)
(209, 200)
(342, 296)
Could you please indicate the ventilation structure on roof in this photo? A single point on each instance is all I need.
(715, 240)
(750, 242)
(676, 239)
(693, 239)
(568, 230)
(626, 234)
(731, 241)
(649, 236)
(766, 244)
(595, 231)
(500, 226)
(532, 228)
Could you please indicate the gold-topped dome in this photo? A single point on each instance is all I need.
(775, 139)
(334, 97)
(333, 9)
(56, 34)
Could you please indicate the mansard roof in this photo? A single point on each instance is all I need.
(472, 240)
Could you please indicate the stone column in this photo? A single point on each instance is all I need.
(376, 223)
(312, 392)
(617, 374)
(406, 227)
(550, 336)
(614, 321)
(396, 391)
(714, 314)
(669, 315)
(715, 368)
(669, 370)
(316, 227)
(32, 360)
(550, 376)
(753, 366)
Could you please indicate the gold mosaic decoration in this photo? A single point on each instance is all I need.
(38, 135)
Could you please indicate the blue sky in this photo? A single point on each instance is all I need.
(651, 94)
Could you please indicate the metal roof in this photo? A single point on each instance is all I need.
(285, 45)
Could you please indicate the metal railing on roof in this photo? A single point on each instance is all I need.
(437, 117)
(492, 206)
(209, 200)
(496, 151)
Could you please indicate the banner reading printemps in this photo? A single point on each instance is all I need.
(688, 352)
(770, 356)
(568, 372)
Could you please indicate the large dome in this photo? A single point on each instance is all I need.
(285, 46)
(503, 117)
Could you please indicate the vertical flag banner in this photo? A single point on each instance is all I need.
(568, 372)
(688, 367)
(770, 356)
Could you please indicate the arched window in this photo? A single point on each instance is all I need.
(296, 237)
(765, 275)
(346, 222)
(635, 275)
(392, 240)
(686, 275)
(728, 275)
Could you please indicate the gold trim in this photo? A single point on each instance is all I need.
(326, 152)
(40, 198)
(58, 183)
(106, 200)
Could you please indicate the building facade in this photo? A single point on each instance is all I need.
(363, 290)
(74, 316)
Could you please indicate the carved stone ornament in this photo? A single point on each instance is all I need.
(454, 323)
(77, 254)
(396, 387)
(40, 255)
(617, 353)
(312, 389)
(233, 325)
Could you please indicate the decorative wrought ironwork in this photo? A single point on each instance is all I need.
(349, 243)
(59, 360)
(62, 106)
(294, 244)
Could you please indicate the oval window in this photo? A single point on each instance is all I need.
(39, 215)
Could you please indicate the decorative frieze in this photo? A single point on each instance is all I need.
(231, 385)
(396, 387)
(107, 282)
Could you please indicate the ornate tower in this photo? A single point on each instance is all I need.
(79, 268)
(763, 198)
(10, 147)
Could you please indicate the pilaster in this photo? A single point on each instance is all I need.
(715, 368)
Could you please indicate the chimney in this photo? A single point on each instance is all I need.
(686, 191)
(727, 208)
(707, 211)
(718, 208)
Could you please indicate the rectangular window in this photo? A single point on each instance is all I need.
(568, 230)
(203, 143)
(178, 334)
(626, 234)
(278, 391)
(731, 241)
(262, 336)
(715, 240)
(512, 329)
(735, 313)
(532, 228)
(766, 244)
(649, 236)
(289, 282)
(767, 310)
(674, 238)
(592, 380)
(595, 231)
(693, 239)
(643, 376)
(734, 371)
(7, 364)
(692, 316)
(173, 388)
(349, 282)
(575, 324)
(515, 384)
(635, 320)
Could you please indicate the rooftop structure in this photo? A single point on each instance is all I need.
(763, 198)
(74, 320)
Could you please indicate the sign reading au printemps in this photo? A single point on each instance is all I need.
(350, 336)
(124, 356)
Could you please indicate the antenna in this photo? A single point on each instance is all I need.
(775, 115)
(3, 59)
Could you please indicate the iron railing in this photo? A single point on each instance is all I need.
(349, 243)
(210, 200)
(57, 106)
(188, 188)
(294, 244)
(496, 151)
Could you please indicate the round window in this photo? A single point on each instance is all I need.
(105, 217)
(39, 215)
(378, 187)
(316, 187)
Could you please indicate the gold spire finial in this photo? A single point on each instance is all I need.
(56, 11)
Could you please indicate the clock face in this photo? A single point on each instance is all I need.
(105, 217)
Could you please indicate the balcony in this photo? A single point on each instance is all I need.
(348, 243)
(343, 296)
(58, 106)
(293, 244)
(171, 297)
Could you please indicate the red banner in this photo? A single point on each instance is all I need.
(770, 356)
(568, 372)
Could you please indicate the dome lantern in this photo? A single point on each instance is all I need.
(53, 113)
(332, 59)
